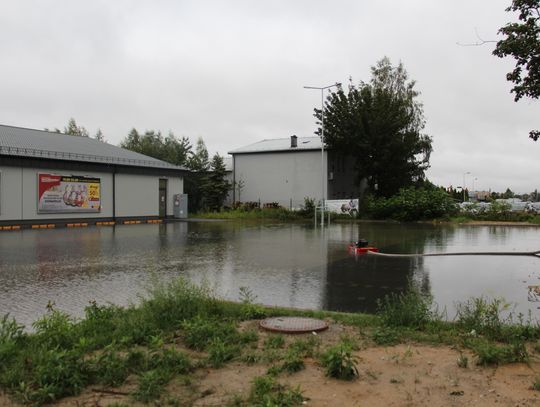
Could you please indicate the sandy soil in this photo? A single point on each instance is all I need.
(403, 375)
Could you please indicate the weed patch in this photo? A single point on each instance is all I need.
(492, 354)
(220, 353)
(407, 309)
(151, 385)
(274, 341)
(385, 336)
(266, 391)
(199, 333)
(339, 363)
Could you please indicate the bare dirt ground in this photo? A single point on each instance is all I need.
(403, 375)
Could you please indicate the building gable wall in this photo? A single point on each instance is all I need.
(283, 177)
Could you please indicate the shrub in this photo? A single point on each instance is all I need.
(412, 204)
(308, 209)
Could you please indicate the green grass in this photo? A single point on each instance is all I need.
(280, 214)
(406, 309)
(274, 341)
(63, 355)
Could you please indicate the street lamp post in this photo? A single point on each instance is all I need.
(322, 89)
(465, 173)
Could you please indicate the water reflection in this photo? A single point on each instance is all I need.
(291, 265)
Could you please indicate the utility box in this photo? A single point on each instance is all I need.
(180, 206)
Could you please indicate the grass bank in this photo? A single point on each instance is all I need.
(156, 352)
(286, 215)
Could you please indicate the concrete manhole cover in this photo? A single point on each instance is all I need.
(293, 325)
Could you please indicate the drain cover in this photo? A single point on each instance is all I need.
(293, 325)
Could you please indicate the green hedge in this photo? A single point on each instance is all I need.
(412, 204)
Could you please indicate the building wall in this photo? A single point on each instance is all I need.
(136, 195)
(279, 177)
(10, 193)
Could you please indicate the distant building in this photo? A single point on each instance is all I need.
(287, 170)
(480, 196)
(53, 178)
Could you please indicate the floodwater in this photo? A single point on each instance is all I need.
(281, 264)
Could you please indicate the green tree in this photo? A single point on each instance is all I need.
(74, 130)
(508, 193)
(152, 143)
(199, 165)
(522, 41)
(199, 161)
(216, 187)
(380, 124)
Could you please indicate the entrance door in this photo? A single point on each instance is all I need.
(162, 198)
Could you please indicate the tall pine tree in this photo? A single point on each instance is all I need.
(216, 187)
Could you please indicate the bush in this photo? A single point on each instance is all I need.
(308, 209)
(412, 204)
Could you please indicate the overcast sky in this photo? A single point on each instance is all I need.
(233, 72)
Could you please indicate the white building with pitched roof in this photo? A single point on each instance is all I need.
(53, 178)
(288, 170)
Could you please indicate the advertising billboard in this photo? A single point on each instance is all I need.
(348, 206)
(68, 194)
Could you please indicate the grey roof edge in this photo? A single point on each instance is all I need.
(151, 162)
(254, 148)
(290, 150)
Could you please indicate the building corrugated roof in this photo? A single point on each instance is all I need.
(21, 142)
(280, 144)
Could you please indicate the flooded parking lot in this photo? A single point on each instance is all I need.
(281, 264)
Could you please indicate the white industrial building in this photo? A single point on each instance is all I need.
(53, 178)
(288, 170)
